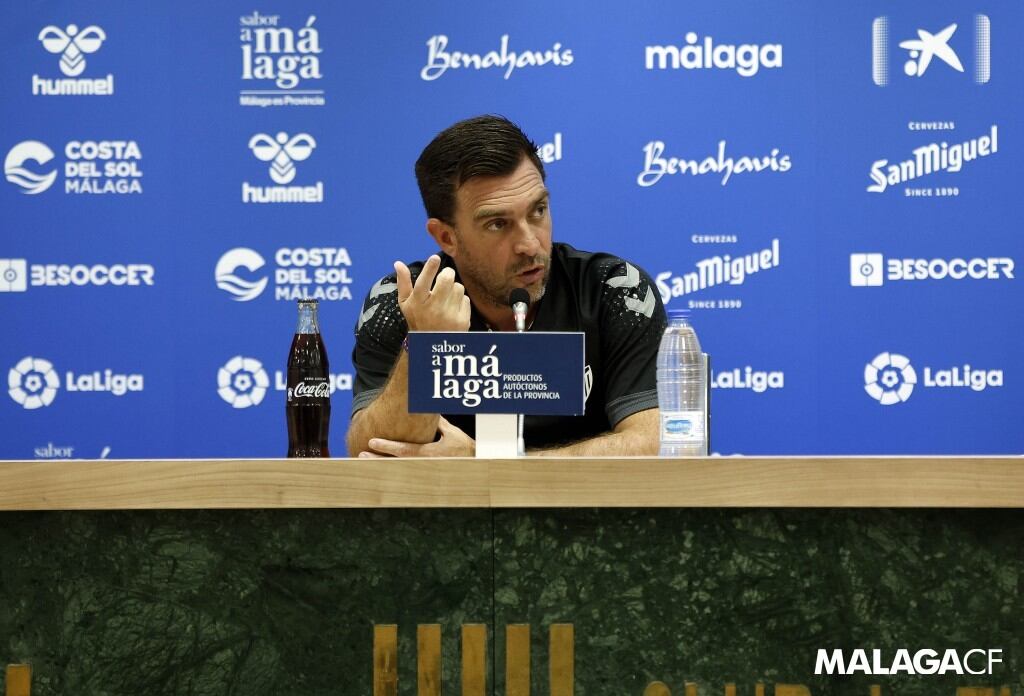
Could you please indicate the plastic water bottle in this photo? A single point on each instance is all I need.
(682, 391)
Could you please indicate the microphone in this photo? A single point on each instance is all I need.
(519, 300)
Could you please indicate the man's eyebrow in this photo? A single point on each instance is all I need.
(485, 213)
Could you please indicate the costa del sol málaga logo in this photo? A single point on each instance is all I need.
(241, 290)
(242, 382)
(25, 179)
(889, 378)
(33, 383)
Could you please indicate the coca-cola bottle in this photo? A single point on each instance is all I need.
(308, 407)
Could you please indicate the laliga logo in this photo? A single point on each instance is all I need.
(241, 289)
(889, 378)
(72, 45)
(33, 383)
(282, 152)
(242, 382)
(29, 182)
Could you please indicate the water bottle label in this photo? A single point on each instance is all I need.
(682, 426)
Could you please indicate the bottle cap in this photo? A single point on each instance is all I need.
(678, 313)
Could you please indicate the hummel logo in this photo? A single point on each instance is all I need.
(282, 153)
(72, 45)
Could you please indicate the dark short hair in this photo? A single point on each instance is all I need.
(480, 146)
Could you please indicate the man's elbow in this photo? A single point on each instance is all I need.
(356, 440)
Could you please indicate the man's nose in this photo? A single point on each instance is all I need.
(527, 242)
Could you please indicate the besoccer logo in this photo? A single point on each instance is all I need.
(889, 378)
(72, 45)
(33, 383)
(29, 181)
(282, 152)
(242, 382)
(13, 275)
(866, 269)
(241, 290)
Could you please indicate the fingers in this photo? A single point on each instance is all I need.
(395, 448)
(421, 290)
(404, 279)
(465, 313)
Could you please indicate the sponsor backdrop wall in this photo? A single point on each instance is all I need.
(832, 188)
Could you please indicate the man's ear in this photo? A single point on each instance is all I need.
(443, 234)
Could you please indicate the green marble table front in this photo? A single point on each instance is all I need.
(284, 601)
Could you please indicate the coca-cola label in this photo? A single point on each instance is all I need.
(310, 388)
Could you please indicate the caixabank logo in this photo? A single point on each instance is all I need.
(890, 378)
(926, 50)
(34, 382)
(282, 151)
(90, 167)
(243, 382)
(72, 44)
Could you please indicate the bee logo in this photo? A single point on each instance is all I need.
(72, 45)
(282, 153)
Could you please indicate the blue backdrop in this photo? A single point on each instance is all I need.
(830, 186)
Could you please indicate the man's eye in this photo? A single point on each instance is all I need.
(496, 225)
(540, 210)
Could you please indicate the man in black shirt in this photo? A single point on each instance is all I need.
(488, 208)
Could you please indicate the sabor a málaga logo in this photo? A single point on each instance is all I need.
(280, 59)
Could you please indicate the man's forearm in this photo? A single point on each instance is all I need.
(639, 440)
(388, 415)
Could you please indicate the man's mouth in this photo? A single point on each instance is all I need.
(531, 275)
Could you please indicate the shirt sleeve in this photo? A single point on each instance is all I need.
(632, 321)
(380, 330)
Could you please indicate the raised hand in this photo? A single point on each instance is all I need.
(443, 308)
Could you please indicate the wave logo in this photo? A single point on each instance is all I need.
(242, 382)
(282, 152)
(240, 289)
(72, 45)
(889, 378)
(33, 383)
(16, 173)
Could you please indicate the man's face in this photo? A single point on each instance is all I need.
(503, 235)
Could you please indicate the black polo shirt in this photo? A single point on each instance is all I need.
(611, 300)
